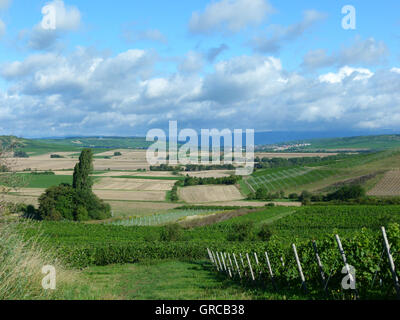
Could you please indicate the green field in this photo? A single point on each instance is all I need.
(380, 142)
(43, 181)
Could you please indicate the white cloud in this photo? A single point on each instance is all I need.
(346, 72)
(280, 34)
(395, 70)
(68, 18)
(88, 93)
(230, 15)
(360, 52)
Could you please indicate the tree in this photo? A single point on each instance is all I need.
(20, 154)
(76, 202)
(82, 181)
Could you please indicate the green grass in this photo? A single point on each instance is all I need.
(44, 181)
(164, 280)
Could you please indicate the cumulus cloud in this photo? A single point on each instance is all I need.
(277, 35)
(67, 18)
(229, 16)
(87, 93)
(346, 72)
(361, 52)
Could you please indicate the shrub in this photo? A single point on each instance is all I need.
(57, 203)
(243, 231)
(265, 233)
(81, 214)
(347, 193)
(20, 154)
(117, 154)
(293, 196)
(171, 232)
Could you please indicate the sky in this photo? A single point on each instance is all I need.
(124, 67)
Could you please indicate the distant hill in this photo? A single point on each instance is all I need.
(381, 142)
(42, 146)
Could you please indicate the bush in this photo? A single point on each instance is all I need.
(57, 203)
(265, 233)
(171, 232)
(294, 196)
(243, 231)
(117, 154)
(56, 156)
(81, 214)
(347, 193)
(20, 154)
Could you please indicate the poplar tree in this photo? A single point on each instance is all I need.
(82, 182)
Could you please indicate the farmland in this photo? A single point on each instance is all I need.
(139, 236)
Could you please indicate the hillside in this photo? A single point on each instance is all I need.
(325, 176)
(42, 146)
(380, 142)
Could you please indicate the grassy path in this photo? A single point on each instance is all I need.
(161, 281)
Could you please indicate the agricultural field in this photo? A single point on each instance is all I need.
(389, 185)
(205, 194)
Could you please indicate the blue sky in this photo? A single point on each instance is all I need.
(123, 67)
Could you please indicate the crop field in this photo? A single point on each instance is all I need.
(389, 185)
(204, 194)
(161, 219)
(288, 178)
(133, 184)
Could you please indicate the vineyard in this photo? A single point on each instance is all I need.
(285, 179)
(388, 186)
(160, 219)
(323, 173)
(317, 268)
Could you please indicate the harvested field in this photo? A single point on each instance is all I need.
(129, 209)
(133, 184)
(30, 192)
(389, 185)
(138, 174)
(205, 194)
(28, 200)
(131, 195)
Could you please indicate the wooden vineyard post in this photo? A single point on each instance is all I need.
(244, 268)
(340, 246)
(391, 262)
(220, 263)
(271, 273)
(210, 256)
(237, 265)
(229, 269)
(230, 261)
(303, 279)
(258, 263)
(320, 266)
(251, 269)
(216, 262)
(223, 261)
